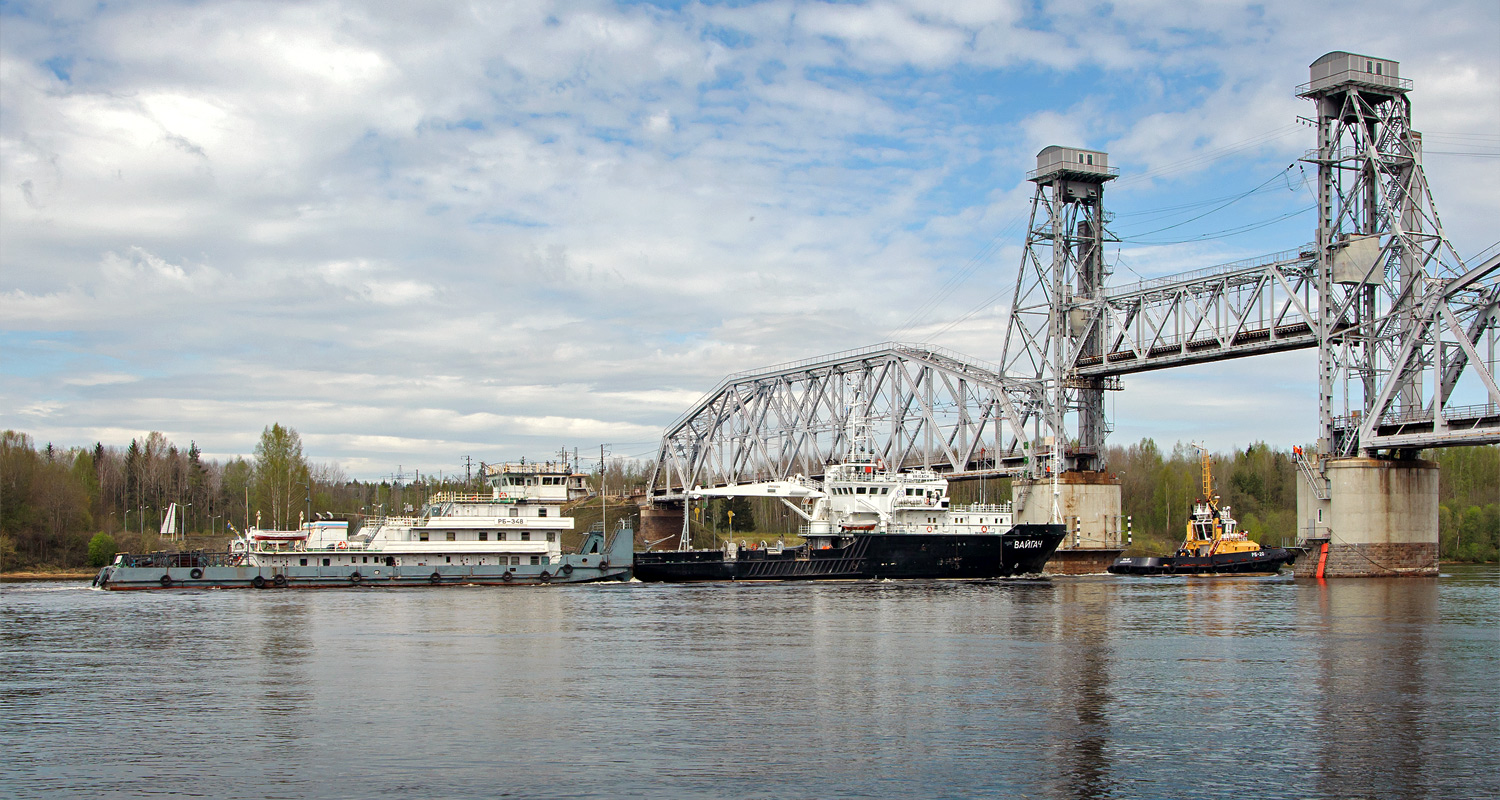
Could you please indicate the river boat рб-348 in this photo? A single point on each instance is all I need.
(510, 536)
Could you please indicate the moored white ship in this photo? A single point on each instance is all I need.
(511, 535)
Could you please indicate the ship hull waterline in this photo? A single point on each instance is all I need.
(344, 577)
(1267, 561)
(1023, 550)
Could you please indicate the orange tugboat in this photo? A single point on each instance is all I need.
(1214, 544)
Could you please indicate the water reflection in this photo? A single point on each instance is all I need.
(1369, 685)
(1084, 691)
(1073, 688)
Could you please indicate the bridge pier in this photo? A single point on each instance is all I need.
(1090, 506)
(1379, 518)
(660, 528)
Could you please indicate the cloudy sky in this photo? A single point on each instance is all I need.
(419, 231)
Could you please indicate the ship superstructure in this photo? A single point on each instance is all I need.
(512, 534)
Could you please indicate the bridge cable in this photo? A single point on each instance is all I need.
(955, 281)
(1231, 201)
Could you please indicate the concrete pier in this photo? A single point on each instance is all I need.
(660, 528)
(1090, 506)
(1380, 518)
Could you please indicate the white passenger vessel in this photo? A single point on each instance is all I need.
(511, 535)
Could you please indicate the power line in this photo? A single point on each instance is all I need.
(1216, 209)
(1228, 232)
(956, 280)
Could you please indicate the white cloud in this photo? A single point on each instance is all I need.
(414, 231)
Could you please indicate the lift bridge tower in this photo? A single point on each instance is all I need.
(1399, 324)
(1051, 330)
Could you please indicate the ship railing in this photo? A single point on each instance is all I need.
(396, 522)
(190, 558)
(984, 508)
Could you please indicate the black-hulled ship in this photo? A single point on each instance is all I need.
(1214, 544)
(864, 521)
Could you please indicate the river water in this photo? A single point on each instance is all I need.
(1089, 687)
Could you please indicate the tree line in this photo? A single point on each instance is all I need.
(66, 507)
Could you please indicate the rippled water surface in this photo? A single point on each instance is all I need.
(1072, 688)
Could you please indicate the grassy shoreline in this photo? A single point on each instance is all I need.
(58, 575)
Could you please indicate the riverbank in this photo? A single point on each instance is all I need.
(61, 575)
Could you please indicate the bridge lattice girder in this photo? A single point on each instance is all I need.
(1229, 311)
(927, 407)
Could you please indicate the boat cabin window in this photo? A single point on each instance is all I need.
(551, 536)
(452, 536)
(541, 512)
(484, 536)
(422, 537)
(304, 562)
(325, 562)
(512, 511)
(859, 490)
(500, 537)
(525, 536)
(536, 559)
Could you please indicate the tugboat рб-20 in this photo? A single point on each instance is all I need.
(1214, 544)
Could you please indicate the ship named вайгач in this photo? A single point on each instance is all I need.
(865, 521)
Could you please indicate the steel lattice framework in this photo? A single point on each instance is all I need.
(1401, 313)
(1264, 305)
(1061, 266)
(1405, 331)
(926, 407)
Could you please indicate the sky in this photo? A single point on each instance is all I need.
(416, 232)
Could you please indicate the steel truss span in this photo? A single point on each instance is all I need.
(1264, 305)
(926, 406)
(1405, 331)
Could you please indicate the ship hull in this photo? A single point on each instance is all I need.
(342, 577)
(867, 556)
(1265, 561)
